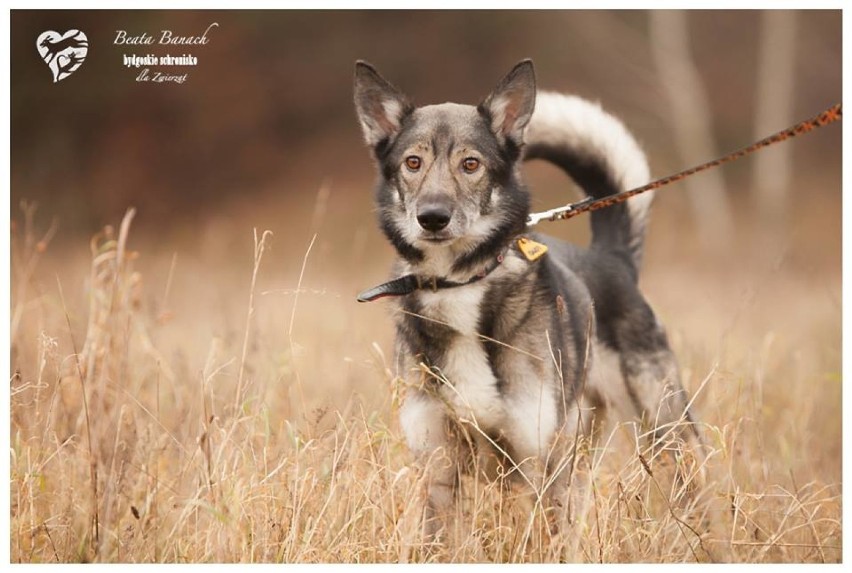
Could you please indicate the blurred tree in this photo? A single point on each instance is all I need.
(774, 99)
(691, 122)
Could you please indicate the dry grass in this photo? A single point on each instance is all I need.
(172, 408)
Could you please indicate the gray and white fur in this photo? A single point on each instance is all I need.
(510, 364)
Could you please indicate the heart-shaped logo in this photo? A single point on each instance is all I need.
(63, 53)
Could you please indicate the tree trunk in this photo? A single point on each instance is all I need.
(774, 111)
(691, 124)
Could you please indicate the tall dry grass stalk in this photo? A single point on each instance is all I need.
(153, 442)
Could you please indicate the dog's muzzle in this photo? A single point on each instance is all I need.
(434, 217)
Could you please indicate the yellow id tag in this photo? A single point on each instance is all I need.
(531, 249)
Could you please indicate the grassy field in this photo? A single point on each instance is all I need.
(224, 399)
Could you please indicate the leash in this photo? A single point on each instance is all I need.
(832, 114)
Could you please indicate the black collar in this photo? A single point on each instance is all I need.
(409, 283)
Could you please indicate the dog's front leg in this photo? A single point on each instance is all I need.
(424, 421)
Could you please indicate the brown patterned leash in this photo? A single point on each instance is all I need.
(832, 114)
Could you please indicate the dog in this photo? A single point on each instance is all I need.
(508, 339)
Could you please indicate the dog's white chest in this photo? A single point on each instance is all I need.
(471, 385)
(458, 308)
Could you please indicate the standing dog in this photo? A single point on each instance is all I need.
(510, 337)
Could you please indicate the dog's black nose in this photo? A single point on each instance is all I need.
(434, 217)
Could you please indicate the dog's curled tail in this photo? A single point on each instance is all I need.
(602, 156)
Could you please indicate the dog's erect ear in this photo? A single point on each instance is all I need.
(510, 106)
(380, 106)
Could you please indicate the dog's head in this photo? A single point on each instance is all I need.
(448, 171)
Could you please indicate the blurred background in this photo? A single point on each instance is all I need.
(265, 119)
(742, 264)
(262, 135)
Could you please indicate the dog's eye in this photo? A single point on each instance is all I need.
(470, 164)
(413, 162)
